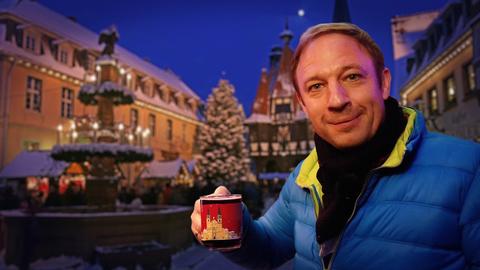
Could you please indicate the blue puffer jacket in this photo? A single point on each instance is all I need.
(419, 210)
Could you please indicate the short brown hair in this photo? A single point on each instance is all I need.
(362, 37)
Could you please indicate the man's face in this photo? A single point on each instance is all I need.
(339, 90)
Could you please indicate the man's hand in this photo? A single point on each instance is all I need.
(196, 217)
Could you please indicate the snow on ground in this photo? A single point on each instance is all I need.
(194, 258)
(3, 266)
(200, 258)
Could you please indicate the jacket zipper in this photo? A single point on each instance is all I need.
(369, 175)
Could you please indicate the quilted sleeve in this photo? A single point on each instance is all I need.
(268, 242)
(470, 220)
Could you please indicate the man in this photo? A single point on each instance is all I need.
(378, 191)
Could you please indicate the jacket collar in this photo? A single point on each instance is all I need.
(406, 143)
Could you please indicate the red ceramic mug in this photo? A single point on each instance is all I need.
(221, 221)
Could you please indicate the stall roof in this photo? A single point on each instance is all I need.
(33, 163)
(273, 176)
(162, 169)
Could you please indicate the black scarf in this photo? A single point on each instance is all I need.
(342, 173)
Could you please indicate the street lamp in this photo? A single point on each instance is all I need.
(145, 134)
(59, 133)
(130, 138)
(74, 136)
(138, 132)
(121, 127)
(72, 131)
(95, 128)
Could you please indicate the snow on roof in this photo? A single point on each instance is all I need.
(258, 118)
(300, 115)
(54, 22)
(33, 163)
(191, 165)
(46, 59)
(286, 32)
(162, 169)
(461, 27)
(171, 106)
(285, 89)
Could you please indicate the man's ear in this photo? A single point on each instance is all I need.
(387, 79)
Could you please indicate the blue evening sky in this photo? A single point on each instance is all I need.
(199, 40)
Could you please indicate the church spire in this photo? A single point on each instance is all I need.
(286, 35)
(261, 103)
(341, 12)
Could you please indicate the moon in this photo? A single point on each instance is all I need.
(301, 12)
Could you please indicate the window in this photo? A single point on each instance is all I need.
(448, 26)
(282, 112)
(30, 42)
(160, 94)
(169, 129)
(151, 124)
(64, 56)
(418, 104)
(133, 118)
(433, 101)
(174, 98)
(469, 73)
(33, 100)
(449, 86)
(140, 84)
(31, 145)
(156, 90)
(67, 103)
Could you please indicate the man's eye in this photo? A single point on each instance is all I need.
(353, 77)
(314, 86)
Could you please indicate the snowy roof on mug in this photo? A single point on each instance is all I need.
(33, 163)
(40, 15)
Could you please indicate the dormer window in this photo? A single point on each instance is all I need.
(156, 90)
(64, 57)
(410, 64)
(147, 85)
(175, 98)
(30, 42)
(448, 26)
(188, 105)
(140, 84)
(160, 94)
(431, 43)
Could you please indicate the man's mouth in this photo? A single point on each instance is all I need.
(343, 121)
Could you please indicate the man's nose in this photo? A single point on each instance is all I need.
(338, 97)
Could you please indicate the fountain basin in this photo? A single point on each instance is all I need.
(78, 231)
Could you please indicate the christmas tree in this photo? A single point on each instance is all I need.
(224, 159)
